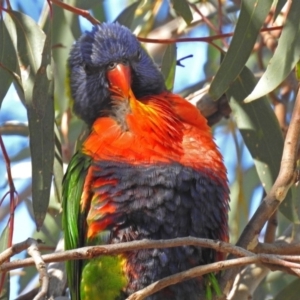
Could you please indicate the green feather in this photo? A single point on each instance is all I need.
(103, 278)
(73, 217)
(212, 286)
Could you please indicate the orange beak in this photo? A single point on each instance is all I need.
(120, 77)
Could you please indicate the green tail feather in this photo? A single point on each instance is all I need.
(212, 286)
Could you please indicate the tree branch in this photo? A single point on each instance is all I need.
(40, 265)
(191, 273)
(94, 251)
(271, 202)
(289, 262)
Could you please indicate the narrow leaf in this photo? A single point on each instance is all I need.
(252, 16)
(279, 6)
(127, 15)
(29, 45)
(290, 291)
(4, 277)
(62, 37)
(8, 57)
(168, 66)
(183, 9)
(87, 4)
(286, 55)
(34, 52)
(260, 130)
(58, 171)
(298, 70)
(41, 126)
(290, 206)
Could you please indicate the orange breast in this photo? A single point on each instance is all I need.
(160, 128)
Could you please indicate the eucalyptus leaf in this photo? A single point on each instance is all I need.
(168, 66)
(41, 126)
(88, 4)
(58, 171)
(29, 45)
(4, 293)
(252, 17)
(279, 6)
(62, 38)
(290, 291)
(285, 57)
(8, 57)
(183, 9)
(34, 52)
(127, 15)
(260, 130)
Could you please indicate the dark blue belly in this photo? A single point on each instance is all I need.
(165, 201)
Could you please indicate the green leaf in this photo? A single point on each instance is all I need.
(279, 6)
(29, 45)
(41, 126)
(252, 16)
(99, 12)
(298, 71)
(290, 206)
(286, 55)
(259, 128)
(71, 19)
(183, 9)
(4, 293)
(127, 15)
(58, 171)
(62, 38)
(168, 66)
(87, 4)
(8, 57)
(290, 291)
(34, 52)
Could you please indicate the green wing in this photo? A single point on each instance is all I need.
(73, 218)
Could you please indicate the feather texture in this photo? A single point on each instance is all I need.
(148, 169)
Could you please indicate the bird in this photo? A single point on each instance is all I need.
(149, 168)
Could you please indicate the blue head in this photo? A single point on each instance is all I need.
(94, 54)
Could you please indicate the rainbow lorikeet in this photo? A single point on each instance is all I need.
(149, 169)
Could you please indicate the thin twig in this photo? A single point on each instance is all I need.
(278, 248)
(14, 249)
(12, 203)
(290, 263)
(94, 251)
(34, 252)
(202, 270)
(57, 275)
(14, 128)
(191, 273)
(199, 39)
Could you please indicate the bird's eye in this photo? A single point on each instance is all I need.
(111, 65)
